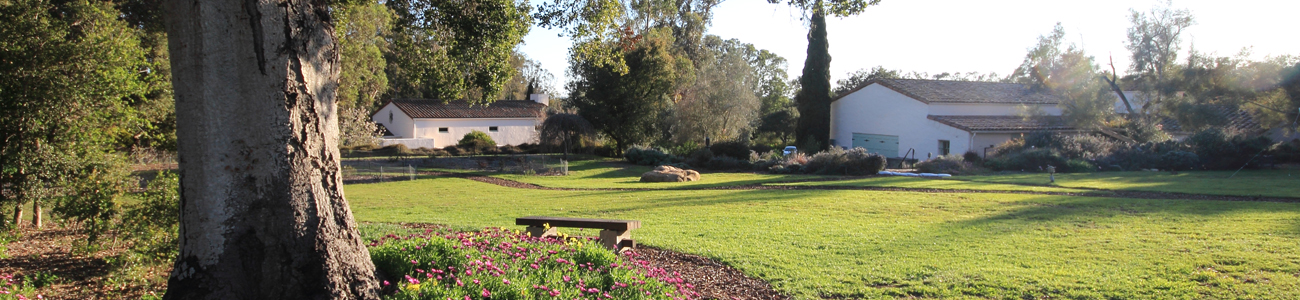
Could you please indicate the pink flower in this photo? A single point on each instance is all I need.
(486, 294)
(566, 278)
(385, 282)
(476, 281)
(506, 281)
(413, 262)
(535, 266)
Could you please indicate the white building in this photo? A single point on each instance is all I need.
(435, 124)
(918, 118)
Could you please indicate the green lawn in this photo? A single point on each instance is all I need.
(610, 173)
(1270, 183)
(872, 244)
(942, 184)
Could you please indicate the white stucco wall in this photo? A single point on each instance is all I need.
(401, 125)
(989, 140)
(876, 109)
(509, 131)
(962, 109)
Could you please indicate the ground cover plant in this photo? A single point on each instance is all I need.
(873, 244)
(1267, 183)
(503, 264)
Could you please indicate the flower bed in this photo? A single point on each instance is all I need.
(500, 264)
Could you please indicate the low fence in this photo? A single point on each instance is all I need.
(410, 143)
(377, 172)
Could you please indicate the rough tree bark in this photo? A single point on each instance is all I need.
(262, 208)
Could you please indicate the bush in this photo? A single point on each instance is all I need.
(605, 151)
(453, 150)
(1286, 152)
(647, 156)
(699, 157)
(476, 142)
(395, 150)
(949, 164)
(1220, 151)
(1178, 160)
(734, 149)
(856, 161)
(972, 157)
(152, 223)
(1036, 159)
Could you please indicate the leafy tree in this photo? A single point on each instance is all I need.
(68, 70)
(626, 106)
(565, 129)
(451, 49)
(262, 213)
(530, 78)
(1154, 39)
(858, 78)
(781, 124)
(362, 29)
(723, 104)
(1070, 74)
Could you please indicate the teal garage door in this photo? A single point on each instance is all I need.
(886, 145)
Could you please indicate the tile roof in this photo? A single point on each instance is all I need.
(1235, 120)
(460, 109)
(945, 91)
(1003, 123)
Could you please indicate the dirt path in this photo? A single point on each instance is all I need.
(1090, 193)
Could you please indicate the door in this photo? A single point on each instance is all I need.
(886, 145)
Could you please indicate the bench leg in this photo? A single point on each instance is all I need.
(612, 239)
(538, 231)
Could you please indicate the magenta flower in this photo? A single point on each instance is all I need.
(486, 294)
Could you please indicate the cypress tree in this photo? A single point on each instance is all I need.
(814, 100)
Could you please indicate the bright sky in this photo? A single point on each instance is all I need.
(938, 36)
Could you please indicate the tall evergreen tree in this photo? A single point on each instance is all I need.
(814, 99)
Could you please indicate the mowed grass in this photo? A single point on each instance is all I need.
(941, 184)
(615, 174)
(871, 244)
(1268, 183)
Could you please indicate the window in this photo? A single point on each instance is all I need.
(492, 129)
(442, 130)
(943, 147)
(390, 117)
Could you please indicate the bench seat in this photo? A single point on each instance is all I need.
(614, 234)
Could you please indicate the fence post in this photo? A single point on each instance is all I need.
(381, 173)
(412, 171)
(565, 163)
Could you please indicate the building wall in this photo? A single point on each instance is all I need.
(401, 125)
(962, 109)
(876, 109)
(509, 131)
(981, 141)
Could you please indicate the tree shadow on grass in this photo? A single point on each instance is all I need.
(695, 200)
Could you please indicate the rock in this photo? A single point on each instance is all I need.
(670, 174)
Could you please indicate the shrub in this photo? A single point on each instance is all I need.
(1178, 160)
(699, 157)
(859, 162)
(152, 223)
(477, 142)
(453, 150)
(1286, 152)
(1036, 159)
(972, 157)
(734, 149)
(684, 149)
(856, 161)
(395, 150)
(647, 156)
(949, 164)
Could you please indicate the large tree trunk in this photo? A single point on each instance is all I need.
(262, 208)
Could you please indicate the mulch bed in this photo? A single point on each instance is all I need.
(712, 279)
(80, 275)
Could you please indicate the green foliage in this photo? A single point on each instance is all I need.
(499, 264)
(738, 149)
(814, 98)
(947, 164)
(836, 161)
(40, 279)
(627, 106)
(476, 141)
(361, 29)
(152, 223)
(451, 49)
(1037, 160)
(1178, 160)
(68, 69)
(566, 131)
(93, 197)
(648, 156)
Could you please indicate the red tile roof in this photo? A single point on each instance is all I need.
(946, 91)
(1003, 123)
(500, 109)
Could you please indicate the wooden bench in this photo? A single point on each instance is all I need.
(614, 234)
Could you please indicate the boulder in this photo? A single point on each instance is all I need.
(670, 174)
